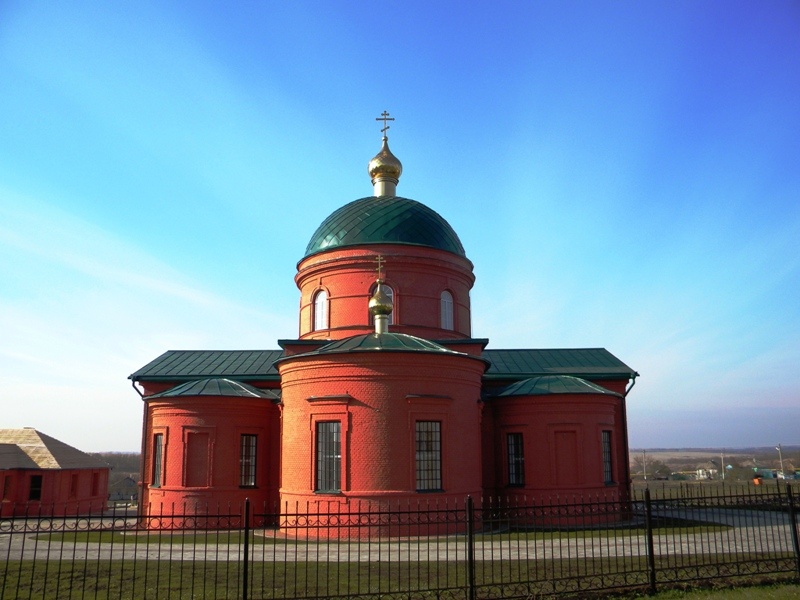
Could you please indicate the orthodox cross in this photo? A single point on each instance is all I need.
(384, 117)
(380, 260)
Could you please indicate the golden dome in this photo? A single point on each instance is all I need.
(380, 303)
(385, 164)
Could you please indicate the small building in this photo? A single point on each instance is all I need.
(707, 470)
(40, 475)
(124, 490)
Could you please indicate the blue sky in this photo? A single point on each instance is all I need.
(623, 175)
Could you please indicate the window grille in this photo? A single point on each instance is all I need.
(608, 475)
(158, 449)
(247, 460)
(429, 455)
(329, 456)
(516, 459)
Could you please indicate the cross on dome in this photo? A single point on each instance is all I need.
(380, 260)
(384, 117)
(385, 169)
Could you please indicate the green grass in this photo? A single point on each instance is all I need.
(671, 526)
(702, 489)
(510, 578)
(154, 539)
(769, 591)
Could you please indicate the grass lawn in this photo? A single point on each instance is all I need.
(759, 592)
(62, 580)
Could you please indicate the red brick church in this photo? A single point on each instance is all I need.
(385, 396)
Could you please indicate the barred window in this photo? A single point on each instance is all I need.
(247, 460)
(158, 449)
(329, 456)
(608, 475)
(516, 459)
(446, 310)
(321, 310)
(429, 455)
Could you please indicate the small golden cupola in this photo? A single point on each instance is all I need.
(380, 307)
(385, 168)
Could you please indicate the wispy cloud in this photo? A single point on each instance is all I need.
(89, 310)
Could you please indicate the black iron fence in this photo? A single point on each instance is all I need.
(489, 549)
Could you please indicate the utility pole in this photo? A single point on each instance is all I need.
(644, 463)
(722, 464)
(780, 458)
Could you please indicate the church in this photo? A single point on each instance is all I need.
(385, 397)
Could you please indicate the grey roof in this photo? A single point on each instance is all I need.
(547, 385)
(259, 365)
(14, 457)
(31, 449)
(217, 387)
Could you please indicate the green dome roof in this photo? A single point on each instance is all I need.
(381, 220)
(217, 387)
(547, 385)
(382, 342)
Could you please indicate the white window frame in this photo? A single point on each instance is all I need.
(321, 316)
(447, 315)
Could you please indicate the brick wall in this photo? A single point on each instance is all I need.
(417, 275)
(378, 397)
(218, 423)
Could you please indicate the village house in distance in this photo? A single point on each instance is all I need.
(385, 397)
(39, 475)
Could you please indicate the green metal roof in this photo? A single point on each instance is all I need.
(385, 219)
(383, 342)
(259, 365)
(187, 365)
(588, 363)
(217, 387)
(546, 385)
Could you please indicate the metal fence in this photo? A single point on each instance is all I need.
(488, 549)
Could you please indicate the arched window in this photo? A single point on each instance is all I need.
(446, 310)
(321, 310)
(390, 292)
